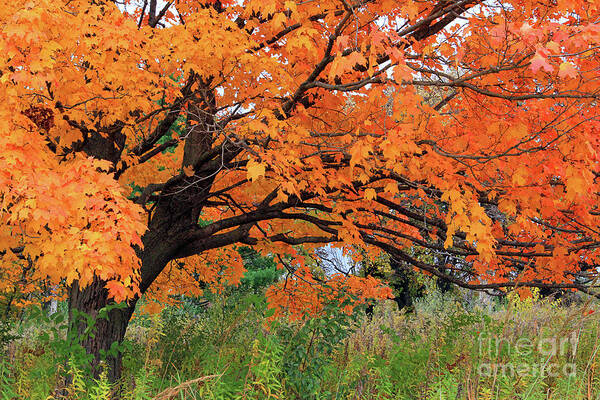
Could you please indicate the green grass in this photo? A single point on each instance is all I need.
(447, 349)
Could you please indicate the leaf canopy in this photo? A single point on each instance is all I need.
(467, 128)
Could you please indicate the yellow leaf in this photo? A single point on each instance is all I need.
(517, 131)
(255, 170)
(519, 178)
(553, 46)
(391, 187)
(370, 194)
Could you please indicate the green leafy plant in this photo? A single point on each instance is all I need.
(309, 345)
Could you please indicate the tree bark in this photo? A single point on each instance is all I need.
(105, 332)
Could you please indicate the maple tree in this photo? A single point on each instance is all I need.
(142, 141)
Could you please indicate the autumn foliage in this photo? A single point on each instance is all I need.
(141, 142)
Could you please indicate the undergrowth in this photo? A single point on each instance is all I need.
(448, 348)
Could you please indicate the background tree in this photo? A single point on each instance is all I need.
(281, 130)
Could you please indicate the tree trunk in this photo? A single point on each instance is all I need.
(91, 300)
(172, 219)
